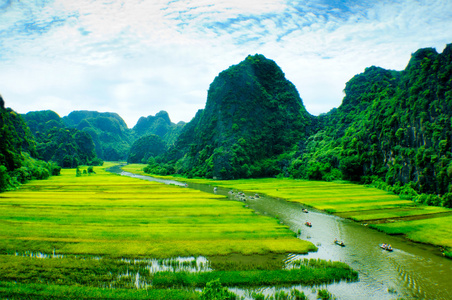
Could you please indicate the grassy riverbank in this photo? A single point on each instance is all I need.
(380, 209)
(79, 237)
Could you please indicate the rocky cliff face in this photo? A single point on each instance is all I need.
(252, 115)
(396, 125)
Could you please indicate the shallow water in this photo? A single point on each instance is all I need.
(411, 271)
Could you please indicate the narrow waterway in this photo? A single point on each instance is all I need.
(411, 271)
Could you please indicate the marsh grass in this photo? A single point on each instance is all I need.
(435, 231)
(117, 216)
(12, 290)
(99, 236)
(360, 203)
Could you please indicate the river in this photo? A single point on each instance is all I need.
(411, 271)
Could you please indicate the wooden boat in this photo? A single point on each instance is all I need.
(309, 224)
(340, 243)
(304, 210)
(386, 247)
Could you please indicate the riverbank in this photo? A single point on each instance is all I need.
(378, 209)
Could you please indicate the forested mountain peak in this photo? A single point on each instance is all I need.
(76, 117)
(160, 125)
(69, 147)
(40, 121)
(17, 152)
(252, 115)
(392, 127)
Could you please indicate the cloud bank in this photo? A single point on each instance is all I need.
(139, 57)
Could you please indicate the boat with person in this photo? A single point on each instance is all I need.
(340, 243)
(309, 224)
(386, 247)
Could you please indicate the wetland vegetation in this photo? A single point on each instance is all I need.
(376, 208)
(99, 233)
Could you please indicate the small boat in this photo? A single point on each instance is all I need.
(304, 210)
(386, 247)
(309, 224)
(340, 243)
(256, 196)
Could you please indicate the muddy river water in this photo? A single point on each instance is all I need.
(411, 271)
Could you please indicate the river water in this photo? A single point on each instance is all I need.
(411, 271)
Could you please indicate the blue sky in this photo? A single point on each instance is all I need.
(137, 57)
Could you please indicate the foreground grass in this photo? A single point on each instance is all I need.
(361, 203)
(13, 290)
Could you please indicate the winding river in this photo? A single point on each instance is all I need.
(411, 271)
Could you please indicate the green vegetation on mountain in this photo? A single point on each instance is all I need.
(253, 116)
(145, 148)
(393, 129)
(112, 138)
(160, 125)
(68, 147)
(18, 153)
(109, 132)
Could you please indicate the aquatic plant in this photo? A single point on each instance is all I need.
(214, 290)
(324, 295)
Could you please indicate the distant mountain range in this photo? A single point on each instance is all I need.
(393, 128)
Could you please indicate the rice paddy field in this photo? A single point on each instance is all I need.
(379, 209)
(102, 235)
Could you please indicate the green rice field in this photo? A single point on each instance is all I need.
(117, 216)
(382, 210)
(100, 235)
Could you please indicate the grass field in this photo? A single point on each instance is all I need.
(117, 216)
(382, 210)
(94, 236)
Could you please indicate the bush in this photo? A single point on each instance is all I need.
(324, 295)
(446, 200)
(297, 295)
(215, 291)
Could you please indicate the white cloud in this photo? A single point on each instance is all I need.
(139, 57)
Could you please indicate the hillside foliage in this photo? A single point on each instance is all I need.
(393, 129)
(18, 153)
(110, 134)
(146, 147)
(68, 147)
(253, 116)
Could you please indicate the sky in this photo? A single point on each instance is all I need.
(138, 57)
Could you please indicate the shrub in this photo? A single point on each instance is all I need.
(215, 291)
(324, 295)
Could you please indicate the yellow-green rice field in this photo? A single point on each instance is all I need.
(112, 215)
(114, 237)
(380, 209)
